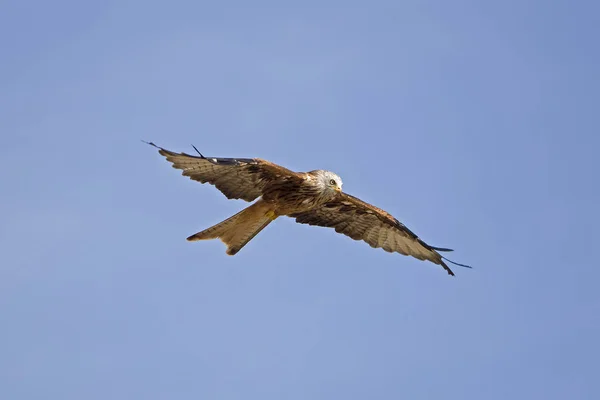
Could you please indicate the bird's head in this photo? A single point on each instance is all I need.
(328, 181)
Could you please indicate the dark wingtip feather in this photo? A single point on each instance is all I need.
(162, 151)
(198, 151)
(430, 247)
(457, 264)
(440, 248)
(150, 143)
(447, 268)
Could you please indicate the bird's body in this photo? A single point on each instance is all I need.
(301, 191)
(313, 198)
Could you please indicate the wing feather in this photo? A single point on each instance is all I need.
(362, 221)
(236, 178)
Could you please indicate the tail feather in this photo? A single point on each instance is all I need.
(237, 230)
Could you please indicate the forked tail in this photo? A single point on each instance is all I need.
(240, 228)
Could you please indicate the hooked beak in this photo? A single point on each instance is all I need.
(338, 189)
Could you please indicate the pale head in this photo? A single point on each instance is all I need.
(328, 181)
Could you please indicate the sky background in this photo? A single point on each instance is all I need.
(474, 123)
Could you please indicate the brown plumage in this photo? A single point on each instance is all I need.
(313, 198)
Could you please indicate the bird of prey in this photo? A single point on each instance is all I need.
(313, 198)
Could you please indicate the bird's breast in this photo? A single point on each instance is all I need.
(292, 196)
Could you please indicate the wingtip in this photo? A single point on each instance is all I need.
(448, 270)
(151, 144)
(455, 263)
(201, 155)
(443, 249)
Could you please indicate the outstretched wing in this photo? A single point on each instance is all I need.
(362, 221)
(236, 178)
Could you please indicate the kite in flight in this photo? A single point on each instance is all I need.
(313, 198)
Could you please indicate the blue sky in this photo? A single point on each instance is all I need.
(474, 123)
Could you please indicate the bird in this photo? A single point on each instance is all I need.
(314, 198)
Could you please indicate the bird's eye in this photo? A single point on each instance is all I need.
(332, 182)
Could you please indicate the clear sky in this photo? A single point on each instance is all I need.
(474, 123)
